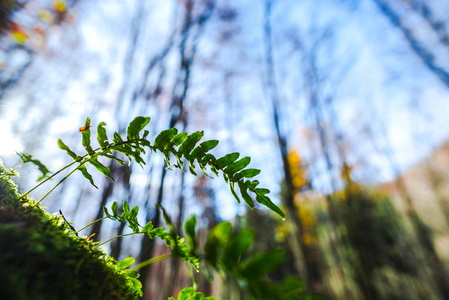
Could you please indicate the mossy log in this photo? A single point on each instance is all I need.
(42, 258)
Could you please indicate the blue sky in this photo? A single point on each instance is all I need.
(374, 79)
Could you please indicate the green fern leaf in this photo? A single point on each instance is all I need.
(179, 138)
(210, 160)
(264, 200)
(69, 152)
(147, 228)
(85, 131)
(186, 293)
(28, 158)
(227, 160)
(121, 162)
(248, 173)
(252, 185)
(262, 191)
(117, 138)
(126, 206)
(133, 213)
(216, 239)
(164, 138)
(106, 211)
(204, 147)
(192, 167)
(237, 166)
(125, 263)
(114, 209)
(261, 264)
(136, 125)
(100, 167)
(166, 158)
(86, 174)
(234, 193)
(245, 195)
(190, 142)
(189, 228)
(236, 247)
(102, 137)
(191, 294)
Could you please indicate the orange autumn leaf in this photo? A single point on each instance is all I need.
(39, 30)
(84, 128)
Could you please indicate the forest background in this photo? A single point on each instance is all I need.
(341, 103)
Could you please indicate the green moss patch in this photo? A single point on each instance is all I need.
(42, 258)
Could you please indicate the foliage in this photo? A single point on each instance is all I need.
(223, 251)
(28, 158)
(227, 253)
(129, 218)
(168, 142)
(191, 294)
(52, 13)
(374, 234)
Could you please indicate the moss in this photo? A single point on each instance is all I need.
(41, 258)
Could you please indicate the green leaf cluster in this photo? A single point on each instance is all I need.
(131, 276)
(191, 294)
(227, 253)
(28, 158)
(183, 146)
(171, 239)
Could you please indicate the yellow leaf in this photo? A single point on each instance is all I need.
(19, 37)
(293, 158)
(59, 6)
(308, 239)
(46, 16)
(299, 181)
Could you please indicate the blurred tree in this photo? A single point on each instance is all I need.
(27, 33)
(374, 234)
(425, 54)
(423, 8)
(194, 21)
(424, 234)
(295, 231)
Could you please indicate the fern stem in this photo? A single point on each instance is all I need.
(65, 177)
(91, 223)
(152, 260)
(47, 179)
(116, 237)
(102, 153)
